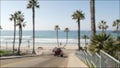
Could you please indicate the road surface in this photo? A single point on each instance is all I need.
(36, 61)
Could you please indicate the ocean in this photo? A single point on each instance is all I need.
(45, 37)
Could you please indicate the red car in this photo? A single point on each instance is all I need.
(58, 52)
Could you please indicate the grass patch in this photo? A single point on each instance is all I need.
(5, 52)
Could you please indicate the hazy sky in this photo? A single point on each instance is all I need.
(53, 13)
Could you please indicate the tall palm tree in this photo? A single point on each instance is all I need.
(116, 24)
(66, 30)
(78, 15)
(32, 5)
(102, 25)
(85, 37)
(14, 18)
(92, 11)
(20, 24)
(57, 28)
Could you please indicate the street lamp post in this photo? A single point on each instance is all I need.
(0, 35)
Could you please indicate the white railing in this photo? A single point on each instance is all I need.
(108, 60)
(100, 61)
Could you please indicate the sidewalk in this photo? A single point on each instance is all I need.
(74, 61)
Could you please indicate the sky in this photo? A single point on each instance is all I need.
(59, 12)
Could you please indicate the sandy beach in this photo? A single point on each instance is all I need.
(41, 48)
(44, 46)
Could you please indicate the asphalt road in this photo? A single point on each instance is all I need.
(37, 61)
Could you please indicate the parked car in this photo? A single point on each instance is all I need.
(58, 52)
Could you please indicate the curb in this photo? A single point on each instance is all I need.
(15, 57)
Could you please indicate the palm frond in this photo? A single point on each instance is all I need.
(66, 30)
(57, 27)
(101, 41)
(29, 6)
(102, 25)
(78, 15)
(33, 3)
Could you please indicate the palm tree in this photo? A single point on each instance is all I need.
(116, 24)
(78, 15)
(14, 18)
(92, 11)
(101, 41)
(85, 37)
(20, 20)
(32, 4)
(102, 25)
(57, 28)
(66, 30)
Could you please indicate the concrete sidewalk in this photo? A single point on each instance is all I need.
(74, 61)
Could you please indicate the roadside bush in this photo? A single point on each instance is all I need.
(107, 43)
(5, 52)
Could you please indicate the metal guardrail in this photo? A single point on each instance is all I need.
(108, 61)
(100, 61)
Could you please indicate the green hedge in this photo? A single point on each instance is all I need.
(5, 52)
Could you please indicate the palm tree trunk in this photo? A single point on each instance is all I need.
(19, 41)
(92, 8)
(57, 39)
(78, 34)
(66, 39)
(33, 11)
(20, 38)
(14, 35)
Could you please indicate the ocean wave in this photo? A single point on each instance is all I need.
(42, 40)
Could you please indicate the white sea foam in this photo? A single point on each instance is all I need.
(9, 39)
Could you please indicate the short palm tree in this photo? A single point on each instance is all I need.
(101, 41)
(116, 24)
(32, 5)
(102, 25)
(66, 30)
(78, 15)
(20, 24)
(92, 12)
(85, 37)
(13, 17)
(57, 28)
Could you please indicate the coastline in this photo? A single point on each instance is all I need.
(44, 46)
